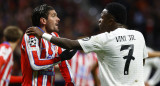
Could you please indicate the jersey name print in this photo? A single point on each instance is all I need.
(125, 38)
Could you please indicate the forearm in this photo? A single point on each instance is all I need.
(153, 54)
(63, 42)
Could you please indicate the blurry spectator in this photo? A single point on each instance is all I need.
(12, 35)
(81, 65)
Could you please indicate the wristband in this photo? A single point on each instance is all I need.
(47, 36)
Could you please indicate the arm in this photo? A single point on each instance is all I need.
(66, 43)
(66, 70)
(153, 54)
(66, 73)
(62, 42)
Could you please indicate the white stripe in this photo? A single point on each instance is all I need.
(44, 81)
(10, 63)
(34, 78)
(73, 64)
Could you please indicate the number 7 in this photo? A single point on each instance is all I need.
(128, 58)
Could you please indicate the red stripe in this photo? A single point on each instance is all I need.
(49, 81)
(39, 80)
(49, 50)
(43, 51)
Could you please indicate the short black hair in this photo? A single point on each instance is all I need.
(40, 11)
(118, 11)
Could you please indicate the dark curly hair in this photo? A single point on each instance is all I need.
(118, 11)
(40, 11)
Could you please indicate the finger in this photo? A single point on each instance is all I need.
(30, 33)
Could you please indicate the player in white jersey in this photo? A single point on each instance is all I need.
(120, 51)
(149, 64)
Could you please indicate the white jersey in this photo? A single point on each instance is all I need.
(120, 56)
(149, 64)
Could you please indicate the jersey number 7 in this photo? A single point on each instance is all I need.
(129, 57)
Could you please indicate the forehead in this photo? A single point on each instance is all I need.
(52, 12)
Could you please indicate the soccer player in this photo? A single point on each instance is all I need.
(12, 35)
(81, 65)
(120, 51)
(38, 56)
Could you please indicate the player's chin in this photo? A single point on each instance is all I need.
(56, 29)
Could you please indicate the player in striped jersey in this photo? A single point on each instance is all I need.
(81, 65)
(12, 35)
(121, 52)
(38, 56)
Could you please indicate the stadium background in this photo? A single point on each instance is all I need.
(80, 17)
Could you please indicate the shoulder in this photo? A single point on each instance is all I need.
(29, 39)
(55, 34)
(4, 46)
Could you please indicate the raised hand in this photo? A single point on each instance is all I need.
(67, 54)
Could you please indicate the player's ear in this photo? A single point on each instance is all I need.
(43, 20)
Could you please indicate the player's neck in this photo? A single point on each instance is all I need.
(115, 26)
(13, 45)
(43, 28)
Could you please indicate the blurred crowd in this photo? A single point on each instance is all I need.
(80, 18)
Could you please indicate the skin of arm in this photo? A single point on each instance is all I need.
(62, 42)
(154, 54)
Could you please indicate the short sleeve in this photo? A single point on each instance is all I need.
(92, 44)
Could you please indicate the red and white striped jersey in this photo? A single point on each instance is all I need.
(81, 65)
(7, 56)
(38, 57)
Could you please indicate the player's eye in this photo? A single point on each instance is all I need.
(53, 15)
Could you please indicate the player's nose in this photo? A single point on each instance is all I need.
(58, 19)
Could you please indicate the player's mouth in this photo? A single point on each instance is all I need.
(56, 24)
